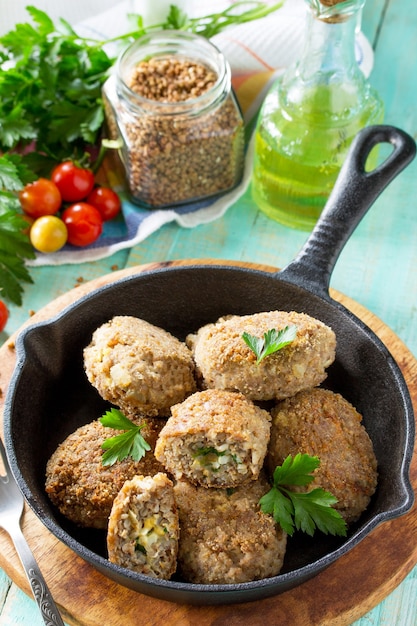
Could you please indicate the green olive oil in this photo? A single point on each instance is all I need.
(298, 155)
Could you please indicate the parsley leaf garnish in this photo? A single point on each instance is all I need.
(272, 341)
(130, 443)
(301, 511)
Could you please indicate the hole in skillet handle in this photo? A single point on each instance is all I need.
(354, 193)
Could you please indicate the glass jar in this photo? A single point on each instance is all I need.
(171, 104)
(311, 115)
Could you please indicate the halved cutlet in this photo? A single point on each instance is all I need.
(214, 438)
(143, 527)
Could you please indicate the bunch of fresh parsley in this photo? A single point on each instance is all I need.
(50, 110)
(50, 90)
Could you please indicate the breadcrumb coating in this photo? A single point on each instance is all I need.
(78, 483)
(225, 538)
(138, 366)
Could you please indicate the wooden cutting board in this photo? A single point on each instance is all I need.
(341, 594)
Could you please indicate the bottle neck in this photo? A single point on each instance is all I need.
(326, 81)
(328, 54)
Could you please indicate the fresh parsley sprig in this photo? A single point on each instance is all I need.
(130, 443)
(272, 341)
(304, 511)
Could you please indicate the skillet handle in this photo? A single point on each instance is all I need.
(353, 194)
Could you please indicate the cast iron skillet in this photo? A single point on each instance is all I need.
(49, 395)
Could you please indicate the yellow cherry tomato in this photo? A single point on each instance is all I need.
(48, 233)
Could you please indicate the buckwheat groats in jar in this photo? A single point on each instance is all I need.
(171, 104)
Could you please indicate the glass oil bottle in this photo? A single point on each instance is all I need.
(310, 117)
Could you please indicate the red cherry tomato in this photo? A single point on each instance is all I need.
(4, 315)
(84, 223)
(106, 201)
(42, 197)
(74, 183)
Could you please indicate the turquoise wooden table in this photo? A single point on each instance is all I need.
(376, 269)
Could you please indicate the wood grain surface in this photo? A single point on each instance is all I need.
(336, 597)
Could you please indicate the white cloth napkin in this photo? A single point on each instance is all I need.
(257, 52)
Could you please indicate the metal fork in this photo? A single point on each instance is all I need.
(11, 508)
